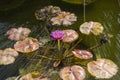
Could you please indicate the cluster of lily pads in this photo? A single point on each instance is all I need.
(100, 68)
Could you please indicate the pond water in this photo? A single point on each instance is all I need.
(107, 12)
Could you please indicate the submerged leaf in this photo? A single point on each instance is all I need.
(27, 45)
(29, 76)
(72, 73)
(79, 1)
(102, 68)
(82, 54)
(70, 35)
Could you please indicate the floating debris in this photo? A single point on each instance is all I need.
(57, 35)
(70, 35)
(91, 27)
(82, 54)
(64, 18)
(72, 73)
(8, 56)
(18, 33)
(56, 63)
(102, 68)
(27, 45)
(47, 12)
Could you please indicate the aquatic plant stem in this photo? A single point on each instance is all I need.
(46, 57)
(72, 49)
(93, 47)
(59, 50)
(84, 12)
(58, 45)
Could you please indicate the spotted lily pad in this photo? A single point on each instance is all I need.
(70, 35)
(27, 45)
(74, 72)
(102, 68)
(18, 33)
(8, 56)
(82, 54)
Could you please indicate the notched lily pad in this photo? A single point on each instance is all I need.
(82, 54)
(70, 35)
(102, 68)
(8, 56)
(27, 45)
(74, 72)
(91, 27)
(18, 33)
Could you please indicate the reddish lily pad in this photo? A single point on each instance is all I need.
(72, 73)
(70, 35)
(27, 45)
(102, 68)
(18, 34)
(82, 54)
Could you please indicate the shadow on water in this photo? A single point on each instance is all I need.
(106, 12)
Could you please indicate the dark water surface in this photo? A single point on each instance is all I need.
(106, 12)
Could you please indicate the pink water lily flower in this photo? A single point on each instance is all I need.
(57, 35)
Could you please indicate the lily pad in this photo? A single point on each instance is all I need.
(27, 45)
(70, 35)
(79, 1)
(91, 27)
(18, 33)
(82, 54)
(8, 56)
(102, 68)
(74, 72)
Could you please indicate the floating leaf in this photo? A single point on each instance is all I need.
(72, 73)
(102, 68)
(27, 45)
(79, 1)
(64, 18)
(82, 54)
(8, 56)
(18, 34)
(70, 35)
(91, 27)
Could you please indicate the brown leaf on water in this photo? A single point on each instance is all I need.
(27, 45)
(82, 54)
(102, 68)
(74, 72)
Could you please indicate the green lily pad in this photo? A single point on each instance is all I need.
(79, 1)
